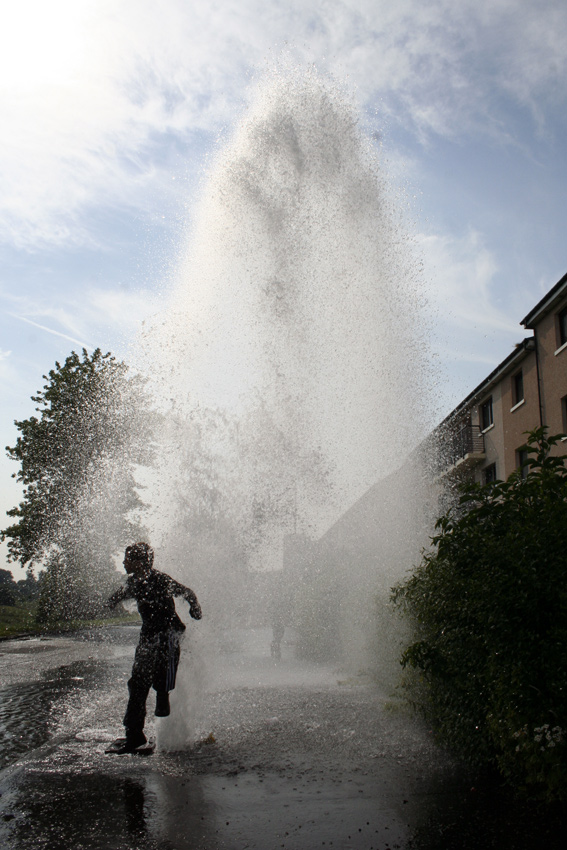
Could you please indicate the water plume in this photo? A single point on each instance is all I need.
(290, 362)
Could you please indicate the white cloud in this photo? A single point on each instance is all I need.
(50, 330)
(124, 309)
(472, 330)
(82, 127)
(44, 311)
(86, 316)
(473, 327)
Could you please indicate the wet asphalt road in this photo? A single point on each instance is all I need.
(288, 755)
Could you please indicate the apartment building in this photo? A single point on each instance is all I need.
(483, 437)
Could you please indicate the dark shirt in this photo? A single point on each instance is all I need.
(154, 593)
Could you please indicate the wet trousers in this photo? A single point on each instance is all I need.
(155, 664)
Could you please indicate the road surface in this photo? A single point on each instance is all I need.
(257, 755)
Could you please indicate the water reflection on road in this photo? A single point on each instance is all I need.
(42, 682)
(26, 709)
(118, 813)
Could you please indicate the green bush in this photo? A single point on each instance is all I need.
(489, 606)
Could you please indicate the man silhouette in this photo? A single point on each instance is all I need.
(158, 651)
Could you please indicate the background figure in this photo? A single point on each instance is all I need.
(278, 631)
(279, 611)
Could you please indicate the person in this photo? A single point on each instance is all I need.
(278, 631)
(158, 651)
(279, 611)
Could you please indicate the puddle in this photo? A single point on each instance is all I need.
(28, 710)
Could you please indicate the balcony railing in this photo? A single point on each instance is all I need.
(467, 443)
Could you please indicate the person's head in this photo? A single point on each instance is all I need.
(138, 559)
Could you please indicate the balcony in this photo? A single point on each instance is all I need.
(462, 451)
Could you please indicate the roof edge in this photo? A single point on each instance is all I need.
(546, 302)
(518, 353)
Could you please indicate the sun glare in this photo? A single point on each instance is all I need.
(41, 43)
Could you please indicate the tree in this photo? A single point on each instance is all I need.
(489, 605)
(17, 592)
(8, 588)
(27, 588)
(76, 464)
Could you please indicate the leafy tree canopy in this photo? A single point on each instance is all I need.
(489, 604)
(77, 458)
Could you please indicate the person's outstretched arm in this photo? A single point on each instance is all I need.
(187, 594)
(118, 596)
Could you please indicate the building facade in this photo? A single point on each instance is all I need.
(483, 438)
(548, 320)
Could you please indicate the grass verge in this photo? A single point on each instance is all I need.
(19, 620)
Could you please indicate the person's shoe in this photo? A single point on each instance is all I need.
(162, 704)
(133, 741)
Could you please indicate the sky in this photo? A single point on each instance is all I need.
(113, 109)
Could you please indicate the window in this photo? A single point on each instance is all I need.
(486, 416)
(521, 461)
(489, 474)
(562, 326)
(517, 387)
